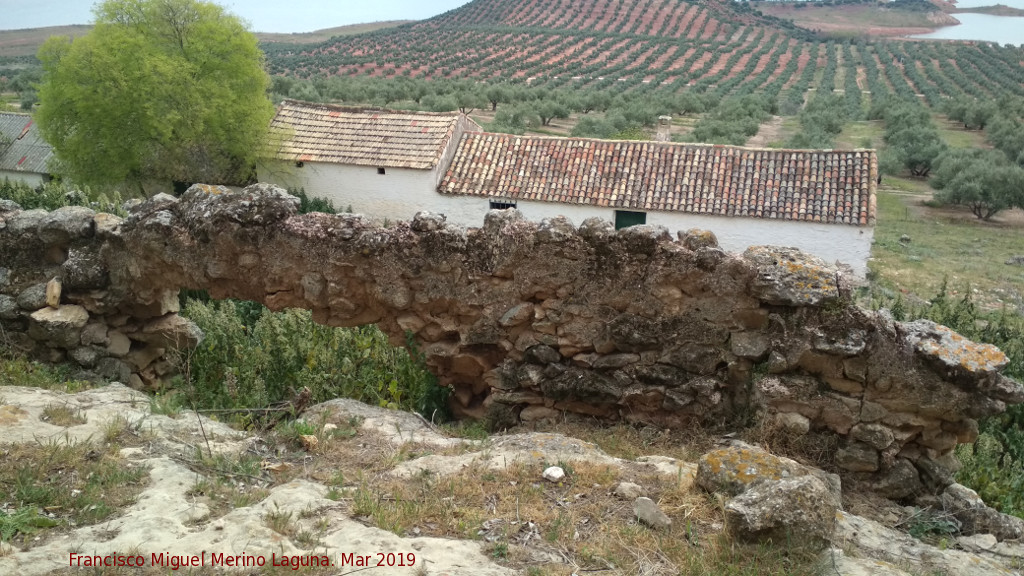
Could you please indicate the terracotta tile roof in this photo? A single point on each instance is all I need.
(808, 185)
(22, 148)
(362, 136)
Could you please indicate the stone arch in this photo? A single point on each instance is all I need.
(525, 320)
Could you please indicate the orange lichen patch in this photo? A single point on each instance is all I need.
(744, 465)
(212, 189)
(955, 350)
(736, 468)
(797, 278)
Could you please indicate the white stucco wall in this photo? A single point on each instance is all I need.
(396, 195)
(400, 194)
(831, 242)
(31, 178)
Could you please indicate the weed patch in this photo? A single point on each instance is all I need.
(230, 482)
(62, 415)
(19, 371)
(49, 485)
(278, 354)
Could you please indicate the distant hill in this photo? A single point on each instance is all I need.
(26, 41)
(328, 33)
(517, 38)
(720, 48)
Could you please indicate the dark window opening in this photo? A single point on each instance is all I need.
(625, 219)
(300, 164)
(380, 171)
(502, 205)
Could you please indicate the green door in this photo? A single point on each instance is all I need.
(625, 219)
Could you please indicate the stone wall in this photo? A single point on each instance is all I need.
(524, 321)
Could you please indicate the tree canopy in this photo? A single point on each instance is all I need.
(159, 90)
(983, 180)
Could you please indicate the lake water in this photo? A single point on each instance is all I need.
(980, 3)
(1001, 29)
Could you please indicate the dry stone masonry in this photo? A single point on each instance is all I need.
(524, 321)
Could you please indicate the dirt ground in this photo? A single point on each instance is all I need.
(770, 131)
(916, 203)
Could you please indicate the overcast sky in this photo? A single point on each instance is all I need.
(263, 15)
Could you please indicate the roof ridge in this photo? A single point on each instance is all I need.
(668, 144)
(368, 109)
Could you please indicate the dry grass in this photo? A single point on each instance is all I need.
(46, 486)
(231, 482)
(62, 415)
(630, 442)
(574, 525)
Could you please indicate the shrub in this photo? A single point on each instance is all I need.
(53, 195)
(250, 360)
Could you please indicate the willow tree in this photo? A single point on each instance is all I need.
(158, 91)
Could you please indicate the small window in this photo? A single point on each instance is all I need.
(300, 164)
(625, 219)
(502, 205)
(380, 171)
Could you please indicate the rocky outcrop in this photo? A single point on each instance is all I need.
(524, 321)
(296, 503)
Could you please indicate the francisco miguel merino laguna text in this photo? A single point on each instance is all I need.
(176, 561)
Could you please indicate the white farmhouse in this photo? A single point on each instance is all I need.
(24, 155)
(388, 164)
(382, 163)
(820, 201)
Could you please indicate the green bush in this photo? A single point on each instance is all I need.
(251, 360)
(992, 471)
(53, 195)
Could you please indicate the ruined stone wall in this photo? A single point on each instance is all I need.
(524, 321)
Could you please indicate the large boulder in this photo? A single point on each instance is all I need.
(170, 331)
(977, 518)
(787, 276)
(801, 508)
(738, 468)
(59, 327)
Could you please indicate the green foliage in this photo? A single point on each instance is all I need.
(25, 520)
(54, 194)
(158, 90)
(983, 180)
(820, 122)
(314, 204)
(733, 121)
(514, 119)
(913, 140)
(993, 472)
(252, 363)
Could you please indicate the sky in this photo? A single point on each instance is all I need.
(263, 15)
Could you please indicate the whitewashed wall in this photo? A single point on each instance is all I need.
(400, 194)
(30, 178)
(396, 195)
(831, 242)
